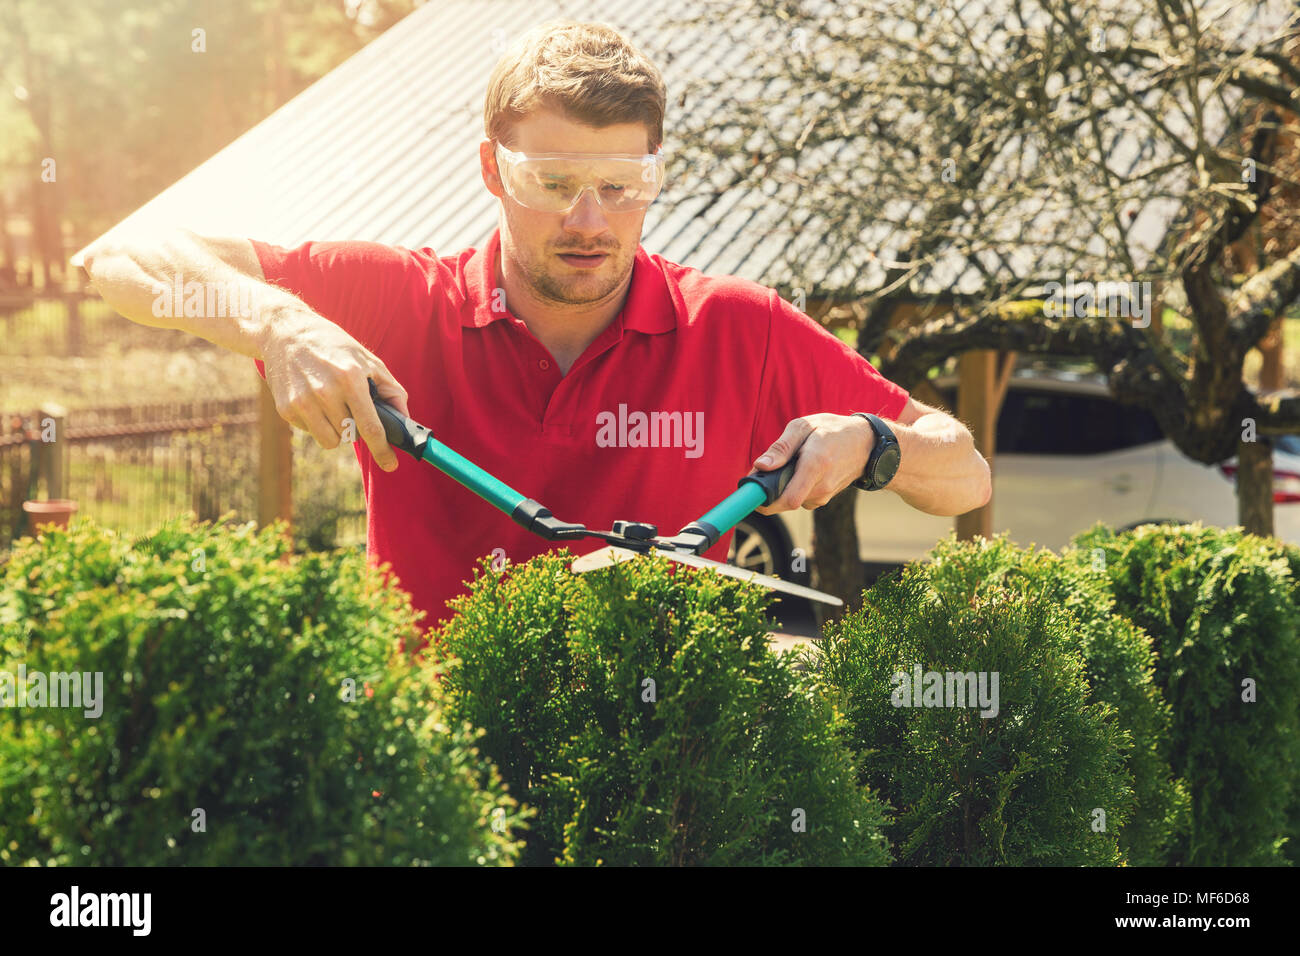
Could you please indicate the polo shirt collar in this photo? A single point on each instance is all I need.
(648, 308)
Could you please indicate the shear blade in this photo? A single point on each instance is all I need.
(605, 557)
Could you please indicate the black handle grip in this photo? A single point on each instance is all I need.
(773, 482)
(401, 432)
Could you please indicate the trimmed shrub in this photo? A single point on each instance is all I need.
(255, 710)
(1021, 786)
(641, 711)
(1119, 667)
(1221, 608)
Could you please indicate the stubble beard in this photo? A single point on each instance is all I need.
(577, 288)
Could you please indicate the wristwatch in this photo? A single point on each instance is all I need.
(885, 457)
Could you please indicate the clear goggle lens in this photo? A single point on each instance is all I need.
(553, 182)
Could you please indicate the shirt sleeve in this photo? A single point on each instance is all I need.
(353, 284)
(807, 370)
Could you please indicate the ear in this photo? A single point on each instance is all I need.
(488, 167)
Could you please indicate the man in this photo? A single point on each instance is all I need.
(602, 381)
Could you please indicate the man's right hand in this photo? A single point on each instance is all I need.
(316, 371)
(318, 375)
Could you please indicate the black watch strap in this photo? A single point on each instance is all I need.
(885, 456)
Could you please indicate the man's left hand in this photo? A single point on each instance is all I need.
(833, 452)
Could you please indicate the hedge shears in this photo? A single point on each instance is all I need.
(627, 539)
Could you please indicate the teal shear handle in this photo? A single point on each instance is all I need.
(754, 491)
(417, 441)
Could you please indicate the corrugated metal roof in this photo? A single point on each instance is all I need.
(385, 148)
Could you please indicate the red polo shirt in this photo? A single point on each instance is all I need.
(736, 360)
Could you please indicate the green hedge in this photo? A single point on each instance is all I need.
(1044, 779)
(226, 665)
(733, 759)
(1292, 848)
(641, 714)
(1221, 606)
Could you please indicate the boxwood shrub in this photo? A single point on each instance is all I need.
(255, 710)
(1222, 608)
(641, 711)
(1042, 780)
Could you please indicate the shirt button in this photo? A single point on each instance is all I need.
(543, 365)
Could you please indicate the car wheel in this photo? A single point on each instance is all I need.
(760, 544)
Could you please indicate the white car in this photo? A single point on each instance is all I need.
(1067, 455)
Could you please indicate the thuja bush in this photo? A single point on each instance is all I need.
(642, 712)
(1221, 607)
(1029, 770)
(1292, 848)
(1119, 667)
(254, 709)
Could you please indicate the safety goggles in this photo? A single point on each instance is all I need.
(554, 182)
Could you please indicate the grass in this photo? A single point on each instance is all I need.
(125, 363)
(130, 497)
(125, 376)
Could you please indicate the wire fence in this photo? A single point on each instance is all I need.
(131, 467)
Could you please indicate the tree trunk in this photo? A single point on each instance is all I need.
(837, 569)
(1255, 487)
(47, 228)
(8, 257)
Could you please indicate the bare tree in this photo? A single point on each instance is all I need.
(976, 151)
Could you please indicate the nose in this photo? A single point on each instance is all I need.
(586, 216)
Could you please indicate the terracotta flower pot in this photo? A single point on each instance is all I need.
(55, 511)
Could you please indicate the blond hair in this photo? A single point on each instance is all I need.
(588, 71)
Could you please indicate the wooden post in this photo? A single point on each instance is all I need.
(1006, 364)
(52, 421)
(1158, 308)
(1272, 375)
(275, 462)
(977, 406)
(73, 304)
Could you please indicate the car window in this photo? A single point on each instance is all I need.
(1041, 422)
(1288, 443)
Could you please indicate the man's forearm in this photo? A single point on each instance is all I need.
(940, 471)
(182, 281)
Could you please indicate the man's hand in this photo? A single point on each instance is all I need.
(833, 451)
(316, 371)
(318, 376)
(940, 473)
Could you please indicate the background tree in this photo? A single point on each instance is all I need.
(127, 96)
(973, 152)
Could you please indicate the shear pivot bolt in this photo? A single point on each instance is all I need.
(635, 529)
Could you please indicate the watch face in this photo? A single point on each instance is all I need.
(887, 465)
